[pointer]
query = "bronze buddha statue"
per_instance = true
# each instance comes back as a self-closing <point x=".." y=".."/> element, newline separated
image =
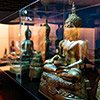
<point x="25" y="57"/>
<point x="62" y="78"/>
<point x="36" y="65"/>
<point x="27" y="44"/>
<point x="47" y="40"/>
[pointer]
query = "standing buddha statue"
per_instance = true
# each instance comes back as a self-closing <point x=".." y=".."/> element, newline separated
<point x="47" y="40"/>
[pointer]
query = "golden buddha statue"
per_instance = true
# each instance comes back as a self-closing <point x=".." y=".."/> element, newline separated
<point x="74" y="49"/>
<point x="62" y="79"/>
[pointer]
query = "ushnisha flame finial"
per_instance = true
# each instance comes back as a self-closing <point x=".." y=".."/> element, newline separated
<point x="73" y="8"/>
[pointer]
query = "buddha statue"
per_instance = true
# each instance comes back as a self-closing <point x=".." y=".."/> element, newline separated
<point x="27" y="44"/>
<point x="36" y="66"/>
<point x="73" y="47"/>
<point x="47" y="40"/>
<point x="25" y="57"/>
<point x="62" y="76"/>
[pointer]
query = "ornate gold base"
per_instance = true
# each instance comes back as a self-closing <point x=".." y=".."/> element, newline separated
<point x="55" y="97"/>
<point x="54" y="88"/>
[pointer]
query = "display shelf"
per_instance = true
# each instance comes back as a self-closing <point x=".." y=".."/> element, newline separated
<point x="24" y="82"/>
<point x="32" y="87"/>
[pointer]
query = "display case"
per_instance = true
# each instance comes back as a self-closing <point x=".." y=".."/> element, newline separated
<point x="57" y="42"/>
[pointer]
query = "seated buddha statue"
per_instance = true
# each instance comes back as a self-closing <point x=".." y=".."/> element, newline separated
<point x="27" y="44"/>
<point x="26" y="54"/>
<point x="62" y="76"/>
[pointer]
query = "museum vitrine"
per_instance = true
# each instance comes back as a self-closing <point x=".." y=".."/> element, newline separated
<point x="56" y="41"/>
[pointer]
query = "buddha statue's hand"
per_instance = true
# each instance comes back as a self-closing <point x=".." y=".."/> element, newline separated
<point x="49" y="61"/>
<point x="56" y="57"/>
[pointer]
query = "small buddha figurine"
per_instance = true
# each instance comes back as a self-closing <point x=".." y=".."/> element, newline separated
<point x="62" y="78"/>
<point x="5" y="53"/>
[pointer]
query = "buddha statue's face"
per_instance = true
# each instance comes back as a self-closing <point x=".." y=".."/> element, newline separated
<point x="69" y="30"/>
<point x="28" y="34"/>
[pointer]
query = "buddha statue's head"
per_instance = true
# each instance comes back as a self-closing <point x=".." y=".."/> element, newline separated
<point x="28" y="33"/>
<point x="72" y="25"/>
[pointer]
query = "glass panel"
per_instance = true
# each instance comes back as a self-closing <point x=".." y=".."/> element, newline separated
<point x="51" y="44"/>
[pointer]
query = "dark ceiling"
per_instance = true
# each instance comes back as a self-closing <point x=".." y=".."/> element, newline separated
<point x="7" y="7"/>
<point x="13" y="5"/>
